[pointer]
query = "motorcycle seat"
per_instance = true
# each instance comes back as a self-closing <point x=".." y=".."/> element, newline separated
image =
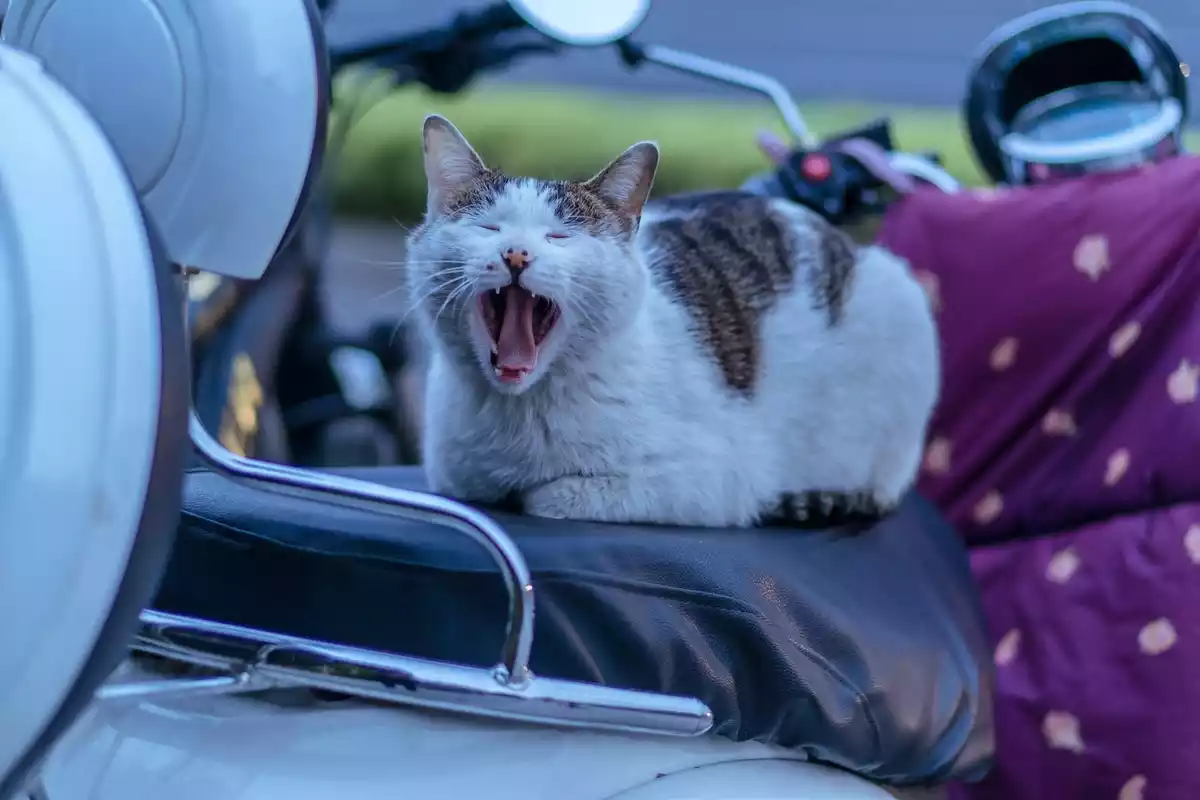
<point x="862" y="646"/>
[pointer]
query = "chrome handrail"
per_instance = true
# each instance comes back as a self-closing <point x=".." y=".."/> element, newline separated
<point x="323" y="488"/>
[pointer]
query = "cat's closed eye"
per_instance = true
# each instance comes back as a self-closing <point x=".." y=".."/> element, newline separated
<point x="558" y="235"/>
<point x="494" y="228"/>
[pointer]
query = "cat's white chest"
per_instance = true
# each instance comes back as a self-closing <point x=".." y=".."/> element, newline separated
<point x="483" y="448"/>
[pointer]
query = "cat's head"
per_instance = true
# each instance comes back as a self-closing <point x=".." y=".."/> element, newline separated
<point x="518" y="274"/>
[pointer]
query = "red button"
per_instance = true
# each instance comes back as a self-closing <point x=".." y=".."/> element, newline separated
<point x="816" y="167"/>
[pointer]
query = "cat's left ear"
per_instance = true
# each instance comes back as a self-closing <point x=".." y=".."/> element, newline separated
<point x="451" y="164"/>
<point x="626" y="182"/>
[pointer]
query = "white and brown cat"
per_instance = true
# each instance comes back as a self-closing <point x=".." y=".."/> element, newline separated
<point x="716" y="359"/>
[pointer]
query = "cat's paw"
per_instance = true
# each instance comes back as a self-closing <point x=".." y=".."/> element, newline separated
<point x="565" y="498"/>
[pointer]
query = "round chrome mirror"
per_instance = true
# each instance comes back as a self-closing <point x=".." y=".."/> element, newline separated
<point x="583" y="23"/>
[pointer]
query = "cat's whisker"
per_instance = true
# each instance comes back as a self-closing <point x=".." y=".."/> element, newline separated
<point x="388" y="293"/>
<point x="432" y="288"/>
<point x="435" y="278"/>
<point x="453" y="268"/>
<point x="395" y="330"/>
<point x="370" y="263"/>
<point x="451" y="284"/>
<point x="450" y="298"/>
<point x="455" y="287"/>
<point x="584" y="315"/>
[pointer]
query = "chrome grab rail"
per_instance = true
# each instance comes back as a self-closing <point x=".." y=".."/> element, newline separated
<point x="324" y="488"/>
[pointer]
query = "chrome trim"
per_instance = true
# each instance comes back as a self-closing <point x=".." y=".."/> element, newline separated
<point x="249" y="660"/>
<point x="1149" y="133"/>
<point x="924" y="169"/>
<point x="1021" y="24"/>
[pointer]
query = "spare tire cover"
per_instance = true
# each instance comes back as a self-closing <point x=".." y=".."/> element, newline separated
<point x="81" y="396"/>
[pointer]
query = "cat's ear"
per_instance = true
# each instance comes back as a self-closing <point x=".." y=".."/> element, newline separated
<point x="451" y="164"/>
<point x="627" y="180"/>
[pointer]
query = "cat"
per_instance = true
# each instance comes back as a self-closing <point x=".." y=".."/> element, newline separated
<point x="716" y="359"/>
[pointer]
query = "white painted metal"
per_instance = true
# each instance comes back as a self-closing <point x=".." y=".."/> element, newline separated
<point x="79" y="390"/>
<point x="241" y="748"/>
<point x="212" y="105"/>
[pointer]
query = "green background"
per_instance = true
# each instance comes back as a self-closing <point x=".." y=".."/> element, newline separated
<point x="557" y="134"/>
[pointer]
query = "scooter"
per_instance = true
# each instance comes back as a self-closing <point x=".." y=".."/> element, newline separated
<point x="322" y="633"/>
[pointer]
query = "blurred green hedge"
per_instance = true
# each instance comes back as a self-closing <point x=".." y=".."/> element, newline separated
<point x="561" y="134"/>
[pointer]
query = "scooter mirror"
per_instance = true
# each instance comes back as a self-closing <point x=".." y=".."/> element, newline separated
<point x="583" y="23"/>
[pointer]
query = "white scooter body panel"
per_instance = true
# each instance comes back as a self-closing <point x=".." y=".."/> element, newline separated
<point x="80" y="375"/>
<point x="231" y="748"/>
<point x="214" y="107"/>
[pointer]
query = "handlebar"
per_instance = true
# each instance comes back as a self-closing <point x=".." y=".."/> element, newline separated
<point x="854" y="174"/>
<point x="447" y="58"/>
<point x="841" y="178"/>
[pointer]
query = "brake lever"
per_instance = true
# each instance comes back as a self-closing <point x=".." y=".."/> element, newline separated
<point x="874" y="162"/>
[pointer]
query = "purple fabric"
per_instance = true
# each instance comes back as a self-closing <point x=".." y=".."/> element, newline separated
<point x="1066" y="448"/>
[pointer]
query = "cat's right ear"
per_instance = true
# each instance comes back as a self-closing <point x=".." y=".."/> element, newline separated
<point x="627" y="181"/>
<point x="451" y="164"/>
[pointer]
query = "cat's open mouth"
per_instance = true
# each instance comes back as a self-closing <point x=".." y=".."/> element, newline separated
<point x="517" y="321"/>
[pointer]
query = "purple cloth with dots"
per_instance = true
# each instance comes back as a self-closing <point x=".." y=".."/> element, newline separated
<point x="1066" y="448"/>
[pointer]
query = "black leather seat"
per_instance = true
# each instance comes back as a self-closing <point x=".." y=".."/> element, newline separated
<point x="865" y="648"/>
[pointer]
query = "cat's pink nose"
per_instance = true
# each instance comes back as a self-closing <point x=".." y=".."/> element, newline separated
<point x="516" y="259"/>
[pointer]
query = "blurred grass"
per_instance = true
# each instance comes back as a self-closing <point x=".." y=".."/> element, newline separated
<point x="572" y="134"/>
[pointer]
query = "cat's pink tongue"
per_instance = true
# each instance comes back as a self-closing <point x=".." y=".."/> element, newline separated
<point x="515" y="349"/>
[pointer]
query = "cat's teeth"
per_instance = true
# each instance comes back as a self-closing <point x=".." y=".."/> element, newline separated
<point x="534" y="295"/>
<point x="497" y="291"/>
<point x="495" y="349"/>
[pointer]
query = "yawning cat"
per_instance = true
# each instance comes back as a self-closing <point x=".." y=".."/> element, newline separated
<point x="717" y="360"/>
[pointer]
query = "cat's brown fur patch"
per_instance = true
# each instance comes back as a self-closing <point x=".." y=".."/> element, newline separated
<point x="832" y="274"/>
<point x="577" y="204"/>
<point x="728" y="256"/>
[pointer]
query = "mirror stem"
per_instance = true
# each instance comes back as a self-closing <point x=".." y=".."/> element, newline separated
<point x="635" y="54"/>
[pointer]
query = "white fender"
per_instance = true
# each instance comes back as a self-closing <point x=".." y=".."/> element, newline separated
<point x="757" y="780"/>
<point x="238" y="748"/>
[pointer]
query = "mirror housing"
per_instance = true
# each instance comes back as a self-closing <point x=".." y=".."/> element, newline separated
<point x="583" y="23"/>
<point x="218" y="110"/>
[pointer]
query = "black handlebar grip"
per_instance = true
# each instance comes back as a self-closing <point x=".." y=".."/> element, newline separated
<point x="493" y="19"/>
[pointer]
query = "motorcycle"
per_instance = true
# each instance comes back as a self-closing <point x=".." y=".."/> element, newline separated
<point x="313" y="633"/>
